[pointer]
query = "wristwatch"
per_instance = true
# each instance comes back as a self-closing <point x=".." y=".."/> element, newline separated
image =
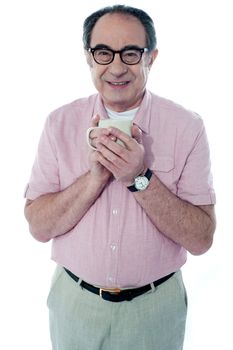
<point x="141" y="182"/>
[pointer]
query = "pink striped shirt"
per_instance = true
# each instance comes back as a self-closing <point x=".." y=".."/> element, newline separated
<point x="115" y="243"/>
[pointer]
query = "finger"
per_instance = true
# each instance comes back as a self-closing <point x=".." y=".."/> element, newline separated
<point x="94" y="132"/>
<point x="95" y="120"/>
<point x="110" y="161"/>
<point x="118" y="134"/>
<point x="109" y="143"/>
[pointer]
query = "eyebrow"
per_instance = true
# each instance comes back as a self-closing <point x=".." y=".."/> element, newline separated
<point x="127" y="47"/>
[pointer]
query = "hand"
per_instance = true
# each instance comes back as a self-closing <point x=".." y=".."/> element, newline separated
<point x="96" y="168"/>
<point x="94" y="132"/>
<point x="125" y="163"/>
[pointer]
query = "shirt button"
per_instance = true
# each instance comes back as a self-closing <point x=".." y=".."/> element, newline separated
<point x="115" y="211"/>
<point x="113" y="247"/>
<point x="110" y="279"/>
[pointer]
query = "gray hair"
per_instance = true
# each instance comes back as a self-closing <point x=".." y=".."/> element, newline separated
<point x="141" y="15"/>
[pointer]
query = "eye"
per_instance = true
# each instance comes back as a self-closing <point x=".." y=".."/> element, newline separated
<point x="131" y="55"/>
<point x="103" y="54"/>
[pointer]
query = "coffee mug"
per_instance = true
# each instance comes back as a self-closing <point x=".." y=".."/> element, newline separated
<point x="122" y="124"/>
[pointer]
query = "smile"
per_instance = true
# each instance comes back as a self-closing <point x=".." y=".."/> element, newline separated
<point x="123" y="83"/>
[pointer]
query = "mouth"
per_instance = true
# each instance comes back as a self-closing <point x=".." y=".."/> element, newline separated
<point x="118" y="83"/>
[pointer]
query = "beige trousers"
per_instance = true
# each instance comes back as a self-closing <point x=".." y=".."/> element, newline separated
<point x="81" y="320"/>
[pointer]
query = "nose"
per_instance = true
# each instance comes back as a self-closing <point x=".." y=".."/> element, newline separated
<point x="117" y="67"/>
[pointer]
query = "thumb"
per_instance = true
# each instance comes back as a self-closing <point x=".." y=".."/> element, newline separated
<point x="137" y="133"/>
<point x="95" y="120"/>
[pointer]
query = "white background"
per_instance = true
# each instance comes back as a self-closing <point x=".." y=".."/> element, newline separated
<point x="42" y="67"/>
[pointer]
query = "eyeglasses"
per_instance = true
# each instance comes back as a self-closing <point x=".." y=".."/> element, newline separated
<point x="128" y="56"/>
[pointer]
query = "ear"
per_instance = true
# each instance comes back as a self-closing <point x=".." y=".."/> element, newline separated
<point x="88" y="58"/>
<point x="152" y="57"/>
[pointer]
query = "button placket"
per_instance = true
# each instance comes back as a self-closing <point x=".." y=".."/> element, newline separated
<point x="115" y="212"/>
<point x="113" y="248"/>
<point x="114" y="237"/>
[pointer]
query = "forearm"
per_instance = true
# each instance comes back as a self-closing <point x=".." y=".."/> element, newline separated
<point x="188" y="225"/>
<point x="55" y="214"/>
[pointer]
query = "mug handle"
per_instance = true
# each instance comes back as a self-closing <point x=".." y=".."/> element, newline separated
<point x="89" y="130"/>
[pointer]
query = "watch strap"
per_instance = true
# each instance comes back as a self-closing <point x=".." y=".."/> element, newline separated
<point x="147" y="174"/>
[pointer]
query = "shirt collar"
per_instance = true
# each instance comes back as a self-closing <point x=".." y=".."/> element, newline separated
<point x="143" y="115"/>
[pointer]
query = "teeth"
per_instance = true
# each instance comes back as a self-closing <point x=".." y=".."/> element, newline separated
<point x="124" y="83"/>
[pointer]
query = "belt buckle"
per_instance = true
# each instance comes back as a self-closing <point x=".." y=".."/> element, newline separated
<point x="111" y="291"/>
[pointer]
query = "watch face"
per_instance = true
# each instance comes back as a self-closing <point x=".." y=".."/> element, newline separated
<point x="141" y="183"/>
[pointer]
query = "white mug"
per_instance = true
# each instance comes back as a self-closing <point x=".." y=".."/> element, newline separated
<point x="122" y="124"/>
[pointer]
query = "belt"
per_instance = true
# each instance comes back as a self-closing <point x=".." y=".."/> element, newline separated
<point x="117" y="295"/>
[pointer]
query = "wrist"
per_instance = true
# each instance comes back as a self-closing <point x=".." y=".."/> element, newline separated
<point x="132" y="179"/>
<point x="141" y="182"/>
<point x="98" y="181"/>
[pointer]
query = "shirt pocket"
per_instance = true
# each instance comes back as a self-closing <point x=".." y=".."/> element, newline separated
<point x="163" y="167"/>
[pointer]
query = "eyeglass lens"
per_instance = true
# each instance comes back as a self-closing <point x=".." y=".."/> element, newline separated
<point x="129" y="56"/>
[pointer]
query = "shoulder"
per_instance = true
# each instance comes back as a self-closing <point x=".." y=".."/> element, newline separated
<point x="174" y="109"/>
<point x="74" y="109"/>
<point x="175" y="114"/>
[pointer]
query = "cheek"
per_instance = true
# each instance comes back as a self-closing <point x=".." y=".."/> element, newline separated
<point x="100" y="71"/>
<point x="96" y="75"/>
<point x="142" y="74"/>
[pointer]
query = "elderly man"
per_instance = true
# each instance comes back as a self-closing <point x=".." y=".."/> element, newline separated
<point x="121" y="216"/>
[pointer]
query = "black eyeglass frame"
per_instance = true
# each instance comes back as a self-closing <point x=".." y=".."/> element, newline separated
<point x="120" y="52"/>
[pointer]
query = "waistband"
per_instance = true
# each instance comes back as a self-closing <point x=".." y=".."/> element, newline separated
<point x="118" y="295"/>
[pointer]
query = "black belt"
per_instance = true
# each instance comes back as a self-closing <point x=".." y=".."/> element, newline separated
<point x="118" y="295"/>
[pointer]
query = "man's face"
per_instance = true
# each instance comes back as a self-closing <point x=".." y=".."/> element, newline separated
<point x="121" y="86"/>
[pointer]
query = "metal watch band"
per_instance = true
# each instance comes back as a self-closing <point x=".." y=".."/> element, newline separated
<point x="147" y="174"/>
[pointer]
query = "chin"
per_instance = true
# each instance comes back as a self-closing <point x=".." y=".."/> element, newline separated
<point x="115" y="100"/>
<point x="118" y="106"/>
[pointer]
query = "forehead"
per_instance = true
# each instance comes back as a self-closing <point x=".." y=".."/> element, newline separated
<point x="118" y="30"/>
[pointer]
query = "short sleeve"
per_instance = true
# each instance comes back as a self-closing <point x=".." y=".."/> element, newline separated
<point x="45" y="175"/>
<point x="196" y="181"/>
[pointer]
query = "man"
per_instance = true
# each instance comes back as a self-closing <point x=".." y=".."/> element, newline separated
<point x="119" y="246"/>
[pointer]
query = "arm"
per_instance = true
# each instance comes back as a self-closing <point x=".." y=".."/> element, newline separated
<point x="55" y="214"/>
<point x="186" y="224"/>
